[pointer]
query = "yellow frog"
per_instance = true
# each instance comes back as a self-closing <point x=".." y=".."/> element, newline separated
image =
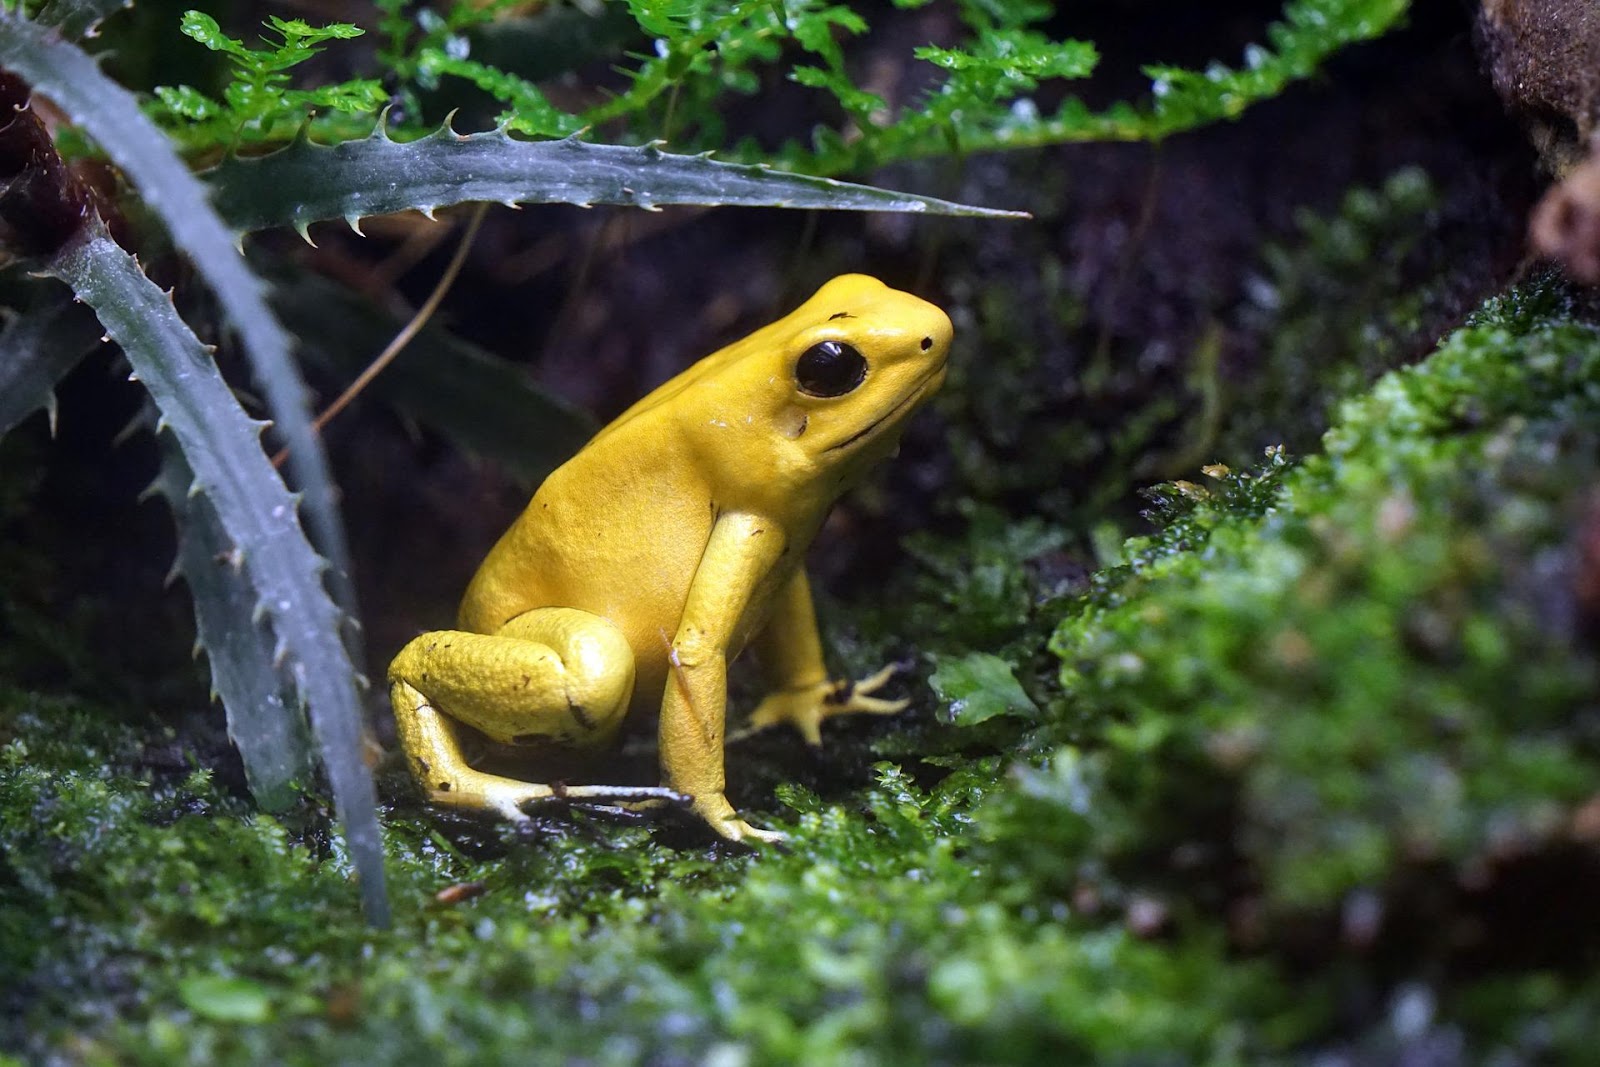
<point x="675" y="538"/>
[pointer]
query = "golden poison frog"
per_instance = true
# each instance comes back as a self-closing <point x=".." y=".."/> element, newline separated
<point x="673" y="540"/>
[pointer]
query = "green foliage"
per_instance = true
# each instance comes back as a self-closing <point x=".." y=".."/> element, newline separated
<point x="278" y="578"/>
<point x="1317" y="689"/>
<point x="701" y="53"/>
<point x="259" y="103"/>
<point x="225" y="1000"/>
<point x="1311" y="31"/>
<point x="527" y="109"/>
<point x="980" y="591"/>
<point x="985" y="101"/>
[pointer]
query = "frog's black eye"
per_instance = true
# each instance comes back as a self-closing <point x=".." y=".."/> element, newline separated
<point x="830" y="368"/>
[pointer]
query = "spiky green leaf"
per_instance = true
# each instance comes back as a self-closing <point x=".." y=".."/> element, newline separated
<point x="37" y="349"/>
<point x="257" y="513"/>
<point x="80" y="18"/>
<point x="265" y="720"/>
<point x="308" y="183"/>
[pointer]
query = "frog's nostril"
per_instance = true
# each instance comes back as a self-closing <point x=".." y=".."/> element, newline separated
<point x="927" y="343"/>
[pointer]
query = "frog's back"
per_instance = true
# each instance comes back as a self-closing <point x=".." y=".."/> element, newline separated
<point x="617" y="531"/>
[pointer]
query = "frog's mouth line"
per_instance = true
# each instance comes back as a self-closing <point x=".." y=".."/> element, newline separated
<point x="911" y="394"/>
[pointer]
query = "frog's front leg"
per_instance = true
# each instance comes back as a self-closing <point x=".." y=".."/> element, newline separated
<point x="742" y="550"/>
<point x="801" y="694"/>
<point x="552" y="674"/>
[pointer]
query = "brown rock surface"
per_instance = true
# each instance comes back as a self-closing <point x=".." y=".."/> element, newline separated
<point x="1544" y="58"/>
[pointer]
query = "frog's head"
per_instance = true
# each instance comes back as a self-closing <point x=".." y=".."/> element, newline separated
<point x="792" y="414"/>
<point x="851" y="365"/>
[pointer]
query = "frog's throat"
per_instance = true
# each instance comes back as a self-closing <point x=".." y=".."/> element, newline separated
<point x="915" y="393"/>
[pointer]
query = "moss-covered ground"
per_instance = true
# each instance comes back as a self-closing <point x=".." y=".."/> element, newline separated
<point x="1310" y="773"/>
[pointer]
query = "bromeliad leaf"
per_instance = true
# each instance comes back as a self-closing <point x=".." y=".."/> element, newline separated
<point x="308" y="183"/>
<point x="258" y="515"/>
<point x="37" y="349"/>
<point x="79" y="18"/>
<point x="264" y="717"/>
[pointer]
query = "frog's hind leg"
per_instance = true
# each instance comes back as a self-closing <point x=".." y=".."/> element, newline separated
<point x="553" y="674"/>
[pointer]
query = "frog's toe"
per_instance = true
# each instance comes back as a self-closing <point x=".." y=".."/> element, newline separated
<point x="739" y="830"/>
<point x="511" y="812"/>
<point x="810" y="729"/>
<point x="875" y="706"/>
<point x="503" y="797"/>
<point x="849" y="697"/>
<point x="720" y="816"/>
<point x="874" y="682"/>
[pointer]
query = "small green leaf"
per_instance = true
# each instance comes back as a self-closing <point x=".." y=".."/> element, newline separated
<point x="302" y="34"/>
<point x="530" y="111"/>
<point x="226" y="1000"/>
<point x="188" y="102"/>
<point x="1019" y="54"/>
<point x="204" y="28"/>
<point x="662" y="18"/>
<point x="858" y="101"/>
<point x="359" y="97"/>
<point x="978" y="687"/>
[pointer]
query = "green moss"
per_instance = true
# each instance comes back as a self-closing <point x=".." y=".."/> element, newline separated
<point x="1361" y="683"/>
<point x="174" y="926"/>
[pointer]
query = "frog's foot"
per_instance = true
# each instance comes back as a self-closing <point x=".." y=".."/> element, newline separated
<point x="721" y="817"/>
<point x="507" y="797"/>
<point x="438" y="765"/>
<point x="805" y="708"/>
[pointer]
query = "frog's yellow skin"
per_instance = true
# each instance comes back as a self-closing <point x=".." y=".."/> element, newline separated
<point x="675" y="538"/>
